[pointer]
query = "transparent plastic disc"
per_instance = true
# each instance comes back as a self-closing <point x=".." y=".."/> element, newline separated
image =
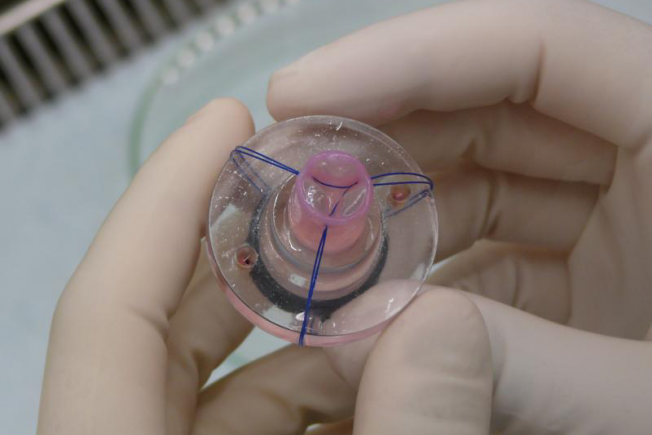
<point x="381" y="239"/>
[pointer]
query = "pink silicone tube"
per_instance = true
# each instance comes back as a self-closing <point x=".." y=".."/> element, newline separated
<point x="333" y="189"/>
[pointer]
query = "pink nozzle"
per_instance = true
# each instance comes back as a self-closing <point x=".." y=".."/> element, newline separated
<point x="333" y="189"/>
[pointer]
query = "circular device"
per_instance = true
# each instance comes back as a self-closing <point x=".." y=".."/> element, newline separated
<point x="321" y="229"/>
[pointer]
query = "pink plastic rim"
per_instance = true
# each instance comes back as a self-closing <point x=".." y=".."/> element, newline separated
<point x="360" y="176"/>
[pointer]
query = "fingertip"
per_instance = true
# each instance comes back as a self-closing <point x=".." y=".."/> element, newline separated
<point x="235" y="109"/>
<point x="206" y="137"/>
<point x="203" y="144"/>
<point x="280" y="94"/>
<point x="168" y="199"/>
<point x="446" y="303"/>
<point x="445" y="318"/>
<point x="438" y="355"/>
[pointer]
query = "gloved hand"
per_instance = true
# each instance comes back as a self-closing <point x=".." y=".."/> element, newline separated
<point x="137" y="333"/>
<point x="535" y="118"/>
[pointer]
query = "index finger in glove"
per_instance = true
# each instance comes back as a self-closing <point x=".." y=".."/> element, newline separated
<point x="478" y="53"/>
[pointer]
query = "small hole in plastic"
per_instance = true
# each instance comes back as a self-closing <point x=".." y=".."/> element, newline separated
<point x="399" y="194"/>
<point x="246" y="257"/>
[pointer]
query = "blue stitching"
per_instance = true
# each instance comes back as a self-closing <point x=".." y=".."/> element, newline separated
<point x="313" y="282"/>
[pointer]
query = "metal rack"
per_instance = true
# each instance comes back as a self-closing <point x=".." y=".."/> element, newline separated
<point x="50" y="46"/>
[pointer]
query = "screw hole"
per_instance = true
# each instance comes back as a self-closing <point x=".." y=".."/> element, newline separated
<point x="246" y="257"/>
<point x="399" y="194"/>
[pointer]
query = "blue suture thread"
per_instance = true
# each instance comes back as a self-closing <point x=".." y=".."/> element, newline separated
<point x="242" y="156"/>
<point x="263" y="158"/>
<point x="315" y="270"/>
<point x="389" y="174"/>
<point x="244" y="172"/>
<point x="334" y="186"/>
<point x="411" y="202"/>
<point x="415" y="198"/>
<point x="240" y="150"/>
<point x="338" y="201"/>
<point x="313" y="281"/>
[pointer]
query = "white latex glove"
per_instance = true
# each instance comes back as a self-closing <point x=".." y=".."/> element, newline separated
<point x="535" y="118"/>
<point x="136" y="333"/>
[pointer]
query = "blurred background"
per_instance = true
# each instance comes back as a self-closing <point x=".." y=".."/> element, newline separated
<point x="88" y="88"/>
